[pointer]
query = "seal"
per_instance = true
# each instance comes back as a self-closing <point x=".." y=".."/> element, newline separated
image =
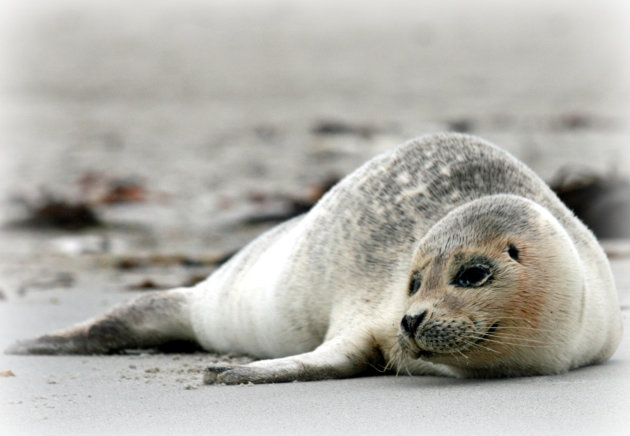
<point x="445" y="256"/>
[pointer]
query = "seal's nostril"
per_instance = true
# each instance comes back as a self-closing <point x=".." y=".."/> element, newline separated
<point x="405" y="324"/>
<point x="410" y="324"/>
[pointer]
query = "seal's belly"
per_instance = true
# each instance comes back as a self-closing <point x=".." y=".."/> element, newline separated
<point x="245" y="308"/>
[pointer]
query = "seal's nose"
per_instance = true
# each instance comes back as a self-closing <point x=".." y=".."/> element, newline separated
<point x="410" y="324"/>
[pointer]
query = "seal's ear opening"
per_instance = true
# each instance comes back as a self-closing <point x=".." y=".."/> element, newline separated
<point x="513" y="252"/>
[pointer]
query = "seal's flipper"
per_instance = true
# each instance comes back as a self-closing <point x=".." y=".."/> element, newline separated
<point x="147" y="321"/>
<point x="333" y="359"/>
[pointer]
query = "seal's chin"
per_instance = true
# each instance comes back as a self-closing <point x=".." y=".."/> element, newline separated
<point x="411" y="348"/>
<point x="420" y="354"/>
<point x="431" y="356"/>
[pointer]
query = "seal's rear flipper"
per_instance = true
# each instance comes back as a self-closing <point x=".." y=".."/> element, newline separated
<point x="333" y="359"/>
<point x="148" y="321"/>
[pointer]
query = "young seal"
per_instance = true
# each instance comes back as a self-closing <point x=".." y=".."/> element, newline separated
<point x="445" y="256"/>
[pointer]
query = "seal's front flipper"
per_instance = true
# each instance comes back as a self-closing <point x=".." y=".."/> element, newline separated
<point x="148" y="321"/>
<point x="332" y="359"/>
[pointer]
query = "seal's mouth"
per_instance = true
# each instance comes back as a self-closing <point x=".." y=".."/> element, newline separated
<point x="489" y="333"/>
<point x="426" y="354"/>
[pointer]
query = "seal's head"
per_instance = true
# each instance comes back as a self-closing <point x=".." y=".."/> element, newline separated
<point x="495" y="290"/>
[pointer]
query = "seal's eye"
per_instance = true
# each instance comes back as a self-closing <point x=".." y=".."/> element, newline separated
<point x="513" y="252"/>
<point x="472" y="276"/>
<point x="415" y="282"/>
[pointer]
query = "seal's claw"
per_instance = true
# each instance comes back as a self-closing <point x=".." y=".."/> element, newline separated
<point x="211" y="373"/>
<point x="245" y="374"/>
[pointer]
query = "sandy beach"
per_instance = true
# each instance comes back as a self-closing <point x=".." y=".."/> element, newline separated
<point x="181" y="124"/>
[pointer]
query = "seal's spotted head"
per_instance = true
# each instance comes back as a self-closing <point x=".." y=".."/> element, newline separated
<point x="489" y="288"/>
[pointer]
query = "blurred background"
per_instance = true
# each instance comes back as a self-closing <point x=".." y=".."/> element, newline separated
<point x="171" y="132"/>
